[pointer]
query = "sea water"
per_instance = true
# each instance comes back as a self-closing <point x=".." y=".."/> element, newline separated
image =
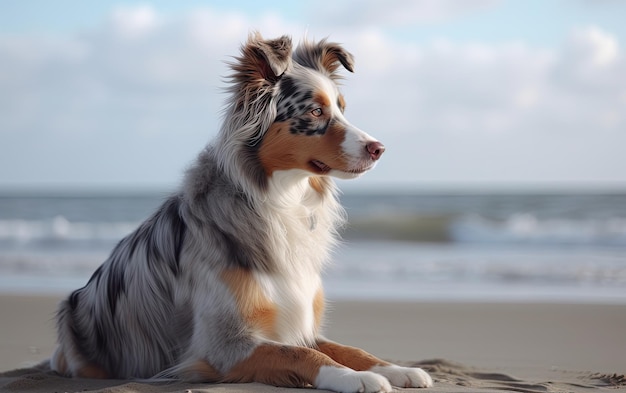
<point x="397" y="246"/>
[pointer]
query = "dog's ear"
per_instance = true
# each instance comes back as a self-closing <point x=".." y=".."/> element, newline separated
<point x="264" y="59"/>
<point x="324" y="56"/>
<point x="333" y="55"/>
<point x="277" y="54"/>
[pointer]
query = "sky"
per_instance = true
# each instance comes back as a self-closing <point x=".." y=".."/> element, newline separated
<point x="468" y="94"/>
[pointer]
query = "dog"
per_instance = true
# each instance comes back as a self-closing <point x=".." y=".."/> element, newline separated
<point x="222" y="283"/>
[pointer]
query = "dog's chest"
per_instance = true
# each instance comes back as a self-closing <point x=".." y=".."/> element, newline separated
<point x="300" y="232"/>
<point x="293" y="305"/>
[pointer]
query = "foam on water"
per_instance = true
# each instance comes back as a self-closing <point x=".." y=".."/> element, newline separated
<point x="542" y="248"/>
<point x="60" y="228"/>
<point x="527" y="228"/>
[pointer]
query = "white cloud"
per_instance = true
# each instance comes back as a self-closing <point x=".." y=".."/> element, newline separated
<point x="451" y="88"/>
<point x="591" y="63"/>
<point x="594" y="47"/>
<point x="213" y="29"/>
<point x="134" y="99"/>
<point x="499" y="113"/>
<point x="397" y="12"/>
<point x="134" y="22"/>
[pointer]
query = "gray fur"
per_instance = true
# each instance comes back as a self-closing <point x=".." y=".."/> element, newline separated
<point x="157" y="303"/>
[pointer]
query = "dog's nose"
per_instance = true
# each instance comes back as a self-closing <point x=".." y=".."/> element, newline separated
<point x="375" y="149"/>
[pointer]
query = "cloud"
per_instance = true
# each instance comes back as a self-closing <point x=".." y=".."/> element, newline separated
<point x="592" y="58"/>
<point x="601" y="46"/>
<point x="134" y="22"/>
<point x="132" y="100"/>
<point x="398" y="12"/>
<point x="451" y="88"/>
<point x="509" y="112"/>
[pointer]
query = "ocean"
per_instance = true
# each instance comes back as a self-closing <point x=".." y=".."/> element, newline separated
<point x="491" y="247"/>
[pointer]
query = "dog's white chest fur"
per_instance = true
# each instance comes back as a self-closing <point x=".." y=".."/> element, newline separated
<point x="293" y="298"/>
<point x="302" y="236"/>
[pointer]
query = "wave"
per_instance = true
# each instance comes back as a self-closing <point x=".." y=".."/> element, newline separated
<point x="519" y="229"/>
<point x="524" y="228"/>
<point x="59" y="231"/>
<point x="418" y="228"/>
<point x="516" y="229"/>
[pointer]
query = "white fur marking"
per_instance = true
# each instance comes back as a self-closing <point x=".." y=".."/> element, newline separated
<point x="295" y="324"/>
<point x="404" y="377"/>
<point x="343" y="379"/>
<point x="354" y="143"/>
<point x="299" y="249"/>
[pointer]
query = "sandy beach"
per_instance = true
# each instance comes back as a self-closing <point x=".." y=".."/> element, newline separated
<point x="467" y="347"/>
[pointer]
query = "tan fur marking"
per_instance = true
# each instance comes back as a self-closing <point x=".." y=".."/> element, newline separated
<point x="201" y="371"/>
<point x="253" y="71"/>
<point x="322" y="99"/>
<point x="341" y="102"/>
<point x="280" y="365"/>
<point x="88" y="370"/>
<point x="253" y="305"/>
<point x="92" y="371"/>
<point x="355" y="358"/>
<point x="317" y="184"/>
<point x="329" y="60"/>
<point x="61" y="362"/>
<point x="282" y="150"/>
<point x="318" y="309"/>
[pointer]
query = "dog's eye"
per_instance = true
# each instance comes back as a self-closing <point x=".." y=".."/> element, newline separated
<point x="317" y="112"/>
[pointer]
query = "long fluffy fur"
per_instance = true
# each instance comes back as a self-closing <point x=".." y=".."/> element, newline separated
<point x="223" y="283"/>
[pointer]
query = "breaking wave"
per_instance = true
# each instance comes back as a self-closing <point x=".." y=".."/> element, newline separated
<point x="517" y="229"/>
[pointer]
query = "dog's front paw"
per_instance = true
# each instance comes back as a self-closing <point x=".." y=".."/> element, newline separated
<point x="343" y="379"/>
<point x="404" y="377"/>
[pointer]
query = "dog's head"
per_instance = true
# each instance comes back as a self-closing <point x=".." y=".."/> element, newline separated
<point x="306" y="130"/>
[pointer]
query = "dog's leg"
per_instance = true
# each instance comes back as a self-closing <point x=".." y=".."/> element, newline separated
<point x="75" y="366"/>
<point x="67" y="359"/>
<point x="359" y="360"/>
<point x="291" y="366"/>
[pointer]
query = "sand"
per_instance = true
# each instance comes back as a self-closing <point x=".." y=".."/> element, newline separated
<point x="466" y="347"/>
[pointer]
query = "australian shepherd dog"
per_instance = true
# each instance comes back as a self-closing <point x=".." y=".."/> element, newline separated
<point x="222" y="283"/>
